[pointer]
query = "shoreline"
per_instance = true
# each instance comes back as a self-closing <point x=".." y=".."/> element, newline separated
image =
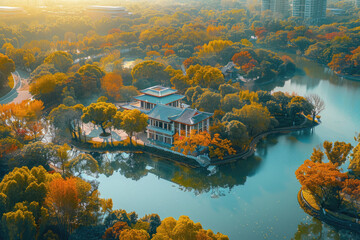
<point x="327" y="217"/>
<point x="187" y="161"/>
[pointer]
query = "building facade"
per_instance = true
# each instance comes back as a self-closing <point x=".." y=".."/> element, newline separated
<point x="276" y="6"/>
<point x="167" y="115"/>
<point x="312" y="11"/>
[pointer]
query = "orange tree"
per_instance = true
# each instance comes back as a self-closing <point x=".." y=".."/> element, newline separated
<point x="324" y="181"/>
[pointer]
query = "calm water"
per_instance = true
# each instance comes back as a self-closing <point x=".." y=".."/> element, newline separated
<point x="251" y="199"/>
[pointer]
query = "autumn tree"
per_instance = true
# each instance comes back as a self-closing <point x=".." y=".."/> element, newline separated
<point x="191" y="143"/>
<point x="111" y="83"/>
<point x="337" y="152"/>
<point x="61" y="60"/>
<point x="134" y="234"/>
<point x="72" y="202"/>
<point x="131" y="121"/>
<point x="184" y="228"/>
<point x="99" y="113"/>
<point x="324" y="181"/>
<point x="114" y="231"/>
<point x="354" y="165"/>
<point x="299" y="105"/>
<point x="7" y="66"/>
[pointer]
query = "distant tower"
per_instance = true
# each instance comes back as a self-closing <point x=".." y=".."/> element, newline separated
<point x="312" y="11"/>
<point x="276" y="6"/>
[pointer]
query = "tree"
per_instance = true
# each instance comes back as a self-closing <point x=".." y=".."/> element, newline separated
<point x="230" y="101"/>
<point x="299" y="105"/>
<point x="149" y="73"/>
<point x="184" y="228"/>
<point x="337" y="152"/>
<point x="237" y="133"/>
<point x="207" y="76"/>
<point x="72" y="202"/>
<point x="302" y="43"/>
<point x="317" y="103"/>
<point x="256" y="118"/>
<point x="37" y="153"/>
<point x="208" y="101"/>
<point x="99" y="113"/>
<point x="63" y="202"/>
<point x="242" y="58"/>
<point x="130" y="121"/>
<point x="127" y="93"/>
<point x="63" y="157"/>
<point x="134" y="234"/>
<point x="7" y="66"/>
<point x="61" y="60"/>
<point x="324" y="181"/>
<point x="354" y="165"/>
<point x="220" y="147"/>
<point x="67" y="119"/>
<point x="111" y="83"/>
<point x="19" y="225"/>
<point x="115" y="231"/>
<point x="191" y="143"/>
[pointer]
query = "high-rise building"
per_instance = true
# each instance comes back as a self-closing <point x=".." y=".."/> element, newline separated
<point x="312" y="11"/>
<point x="276" y="6"/>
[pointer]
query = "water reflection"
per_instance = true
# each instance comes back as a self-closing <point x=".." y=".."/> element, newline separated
<point x="216" y="180"/>
<point x="313" y="228"/>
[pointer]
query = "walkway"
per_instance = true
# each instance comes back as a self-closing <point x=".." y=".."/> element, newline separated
<point x="20" y="90"/>
<point x="326" y="216"/>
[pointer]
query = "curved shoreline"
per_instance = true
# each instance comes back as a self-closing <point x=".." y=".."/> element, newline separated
<point x="252" y="146"/>
<point x="327" y="218"/>
<point x="17" y="85"/>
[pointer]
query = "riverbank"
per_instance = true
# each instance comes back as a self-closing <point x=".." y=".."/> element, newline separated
<point x="189" y="161"/>
<point x="331" y="218"/>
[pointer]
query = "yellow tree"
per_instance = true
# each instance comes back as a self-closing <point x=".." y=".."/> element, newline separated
<point x="219" y="147"/>
<point x="99" y="113"/>
<point x="131" y="121"/>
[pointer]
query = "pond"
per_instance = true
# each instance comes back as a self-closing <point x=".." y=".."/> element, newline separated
<point x="251" y="199"/>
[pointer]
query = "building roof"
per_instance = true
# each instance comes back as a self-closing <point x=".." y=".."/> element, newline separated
<point x="164" y="112"/>
<point x="186" y="116"/>
<point x="158" y="91"/>
<point x="191" y="116"/>
<point x="159" y="100"/>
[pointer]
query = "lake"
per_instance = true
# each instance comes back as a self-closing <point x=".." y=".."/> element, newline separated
<point x="251" y="199"/>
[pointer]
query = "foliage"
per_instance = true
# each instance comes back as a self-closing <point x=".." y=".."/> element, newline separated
<point x="131" y="121"/>
<point x="99" y="113"/>
<point x="61" y="60"/>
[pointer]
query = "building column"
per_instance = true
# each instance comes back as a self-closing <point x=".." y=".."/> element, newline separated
<point x="186" y="129"/>
<point x="208" y="125"/>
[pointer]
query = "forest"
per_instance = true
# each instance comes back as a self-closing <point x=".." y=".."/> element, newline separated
<point x="77" y="75"/>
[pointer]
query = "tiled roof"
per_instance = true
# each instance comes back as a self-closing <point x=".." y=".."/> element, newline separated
<point x="158" y="91"/>
<point x="191" y="116"/>
<point x="159" y="100"/>
<point x="163" y="112"/>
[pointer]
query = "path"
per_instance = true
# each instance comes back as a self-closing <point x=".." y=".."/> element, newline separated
<point x="326" y="216"/>
<point x="20" y="90"/>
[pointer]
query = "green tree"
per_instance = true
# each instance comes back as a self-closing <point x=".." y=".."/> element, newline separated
<point x="36" y="153"/>
<point x="237" y="133"/>
<point x="99" y="113"/>
<point x="7" y="66"/>
<point x="208" y="101"/>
